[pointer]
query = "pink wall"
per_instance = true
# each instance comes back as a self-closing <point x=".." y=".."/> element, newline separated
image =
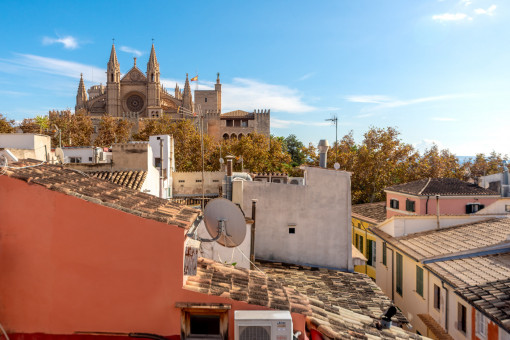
<point x="447" y="206"/>
<point x="69" y="266"/>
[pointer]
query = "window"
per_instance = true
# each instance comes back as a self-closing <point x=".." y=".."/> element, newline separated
<point x="437" y="297"/>
<point x="461" y="317"/>
<point x="481" y="325"/>
<point x="244" y="123"/>
<point x="360" y="244"/>
<point x="394" y="203"/>
<point x="371" y="253"/>
<point x="400" y="273"/>
<point x="419" y="280"/>
<point x="90" y="159"/>
<point x="198" y="181"/>
<point x="157" y="162"/>
<point x="384" y="260"/>
<point x="292" y="230"/>
<point x="473" y="207"/>
<point x="237" y="123"/>
<point x="152" y="77"/>
<point x="205" y="99"/>
<point x="230" y="122"/>
<point x="181" y="181"/>
<point x="410" y="205"/>
<point x="74" y="159"/>
<point x="215" y="180"/>
<point x="204" y="324"/>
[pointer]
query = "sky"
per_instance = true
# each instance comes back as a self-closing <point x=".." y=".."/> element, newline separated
<point x="437" y="70"/>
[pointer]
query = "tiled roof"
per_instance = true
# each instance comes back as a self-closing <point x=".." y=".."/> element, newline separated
<point x="269" y="290"/>
<point x="128" y="179"/>
<point x="441" y="186"/>
<point x="375" y="212"/>
<point x="435" y="327"/>
<point x="79" y="184"/>
<point x="492" y="298"/>
<point x="237" y="114"/>
<point x="476" y="270"/>
<point x="452" y="239"/>
<point x="333" y="288"/>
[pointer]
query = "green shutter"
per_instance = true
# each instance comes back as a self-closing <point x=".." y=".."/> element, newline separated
<point x="384" y="253"/>
<point x="369" y="253"/>
<point x="419" y="280"/>
<point x="399" y="274"/>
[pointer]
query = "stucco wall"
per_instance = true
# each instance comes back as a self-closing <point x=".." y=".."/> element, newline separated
<point x="27" y="145"/>
<point x="185" y="183"/>
<point x="448" y="205"/>
<point x="69" y="266"/>
<point x="320" y="212"/>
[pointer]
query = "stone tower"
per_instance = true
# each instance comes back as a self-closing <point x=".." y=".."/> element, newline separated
<point x="81" y="96"/>
<point x="113" y="84"/>
<point x="217" y="88"/>
<point x="186" y="97"/>
<point x="153" y="84"/>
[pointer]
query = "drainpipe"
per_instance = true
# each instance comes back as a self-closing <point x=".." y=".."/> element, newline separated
<point x="437" y="211"/>
<point x="427" y="206"/>
<point x="252" y="243"/>
<point x="446" y="308"/>
<point x="161" y="167"/>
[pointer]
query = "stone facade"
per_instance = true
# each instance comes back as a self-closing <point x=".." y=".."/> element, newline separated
<point x="137" y="96"/>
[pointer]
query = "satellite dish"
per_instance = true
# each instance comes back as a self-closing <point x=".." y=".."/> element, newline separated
<point x="222" y="161"/>
<point x="225" y="222"/>
<point x="337" y="166"/>
<point x="59" y="153"/>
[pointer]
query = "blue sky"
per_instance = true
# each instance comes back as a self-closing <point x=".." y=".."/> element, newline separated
<point x="439" y="71"/>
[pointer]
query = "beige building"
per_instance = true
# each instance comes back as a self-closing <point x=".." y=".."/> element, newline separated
<point x="139" y="95"/>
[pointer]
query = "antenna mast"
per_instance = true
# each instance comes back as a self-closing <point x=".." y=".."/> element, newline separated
<point x="335" y="121"/>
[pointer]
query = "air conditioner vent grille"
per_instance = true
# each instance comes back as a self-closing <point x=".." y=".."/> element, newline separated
<point x="255" y="333"/>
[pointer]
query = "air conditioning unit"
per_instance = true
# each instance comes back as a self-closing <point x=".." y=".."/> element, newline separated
<point x="262" y="325"/>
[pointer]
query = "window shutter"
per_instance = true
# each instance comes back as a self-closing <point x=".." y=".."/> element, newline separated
<point x="384" y="253"/>
<point x="468" y="209"/>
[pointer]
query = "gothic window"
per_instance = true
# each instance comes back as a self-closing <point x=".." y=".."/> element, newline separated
<point x="205" y="100"/>
<point x="152" y="77"/>
<point x="233" y="136"/>
<point x="112" y="77"/>
<point x="225" y="136"/>
<point x="240" y="136"/>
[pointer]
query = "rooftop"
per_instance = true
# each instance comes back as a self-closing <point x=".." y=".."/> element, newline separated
<point x="79" y="184"/>
<point x="306" y="291"/>
<point x="451" y="240"/>
<point x="129" y="179"/>
<point x="372" y="212"/>
<point x="441" y="186"/>
<point x="492" y="298"/>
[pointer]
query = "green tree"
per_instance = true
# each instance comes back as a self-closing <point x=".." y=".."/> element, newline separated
<point x="295" y="149"/>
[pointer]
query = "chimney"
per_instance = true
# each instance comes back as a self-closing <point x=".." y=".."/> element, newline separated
<point x="323" y="151"/>
<point x="504" y="183"/>
<point x="229" y="165"/>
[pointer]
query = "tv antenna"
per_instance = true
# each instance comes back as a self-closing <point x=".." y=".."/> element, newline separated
<point x="224" y="222"/>
<point x="334" y="120"/>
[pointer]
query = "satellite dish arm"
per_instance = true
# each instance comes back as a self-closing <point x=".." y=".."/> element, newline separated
<point x="222" y="229"/>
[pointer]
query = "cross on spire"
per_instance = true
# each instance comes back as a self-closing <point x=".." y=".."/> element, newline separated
<point x="113" y="40"/>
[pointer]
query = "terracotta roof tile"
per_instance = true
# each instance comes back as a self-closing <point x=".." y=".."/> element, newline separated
<point x="79" y="184"/>
<point x="129" y="179"/>
<point x="375" y="212"/>
<point x="441" y="186"/>
<point x="322" y="295"/>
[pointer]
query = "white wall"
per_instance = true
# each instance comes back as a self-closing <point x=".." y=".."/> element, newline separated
<point x="320" y="212"/>
<point x="219" y="253"/>
<point x="27" y="145"/>
<point x="168" y="158"/>
<point x="86" y="154"/>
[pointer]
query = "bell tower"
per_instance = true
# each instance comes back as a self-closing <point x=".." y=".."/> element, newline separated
<point x="153" y="84"/>
<point x="113" y="85"/>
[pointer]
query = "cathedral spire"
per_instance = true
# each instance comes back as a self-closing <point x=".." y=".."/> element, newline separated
<point x="113" y="67"/>
<point x="81" y="96"/>
<point x="113" y="58"/>
<point x="153" y="67"/>
<point x="186" y="97"/>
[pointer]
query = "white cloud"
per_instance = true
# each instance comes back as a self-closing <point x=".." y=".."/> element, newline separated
<point x="466" y="2"/>
<point x="368" y="99"/>
<point x="488" y="11"/>
<point x="57" y="66"/>
<point x="249" y="94"/>
<point x="451" y="17"/>
<point x="306" y="76"/>
<point x="285" y="124"/>
<point x="444" y="119"/>
<point x="130" y="50"/>
<point x="425" y="144"/>
<point x="384" y="102"/>
<point x="69" y="42"/>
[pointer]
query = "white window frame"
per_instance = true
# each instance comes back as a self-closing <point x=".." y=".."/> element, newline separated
<point x="481" y="325"/>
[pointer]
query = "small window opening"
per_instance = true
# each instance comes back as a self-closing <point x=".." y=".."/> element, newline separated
<point x="292" y="230"/>
<point x="204" y="324"/>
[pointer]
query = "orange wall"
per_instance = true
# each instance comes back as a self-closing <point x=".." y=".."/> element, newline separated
<point x="69" y="265"/>
<point x="492" y="328"/>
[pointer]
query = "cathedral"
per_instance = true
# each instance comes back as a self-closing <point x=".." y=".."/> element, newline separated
<point x="138" y="96"/>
